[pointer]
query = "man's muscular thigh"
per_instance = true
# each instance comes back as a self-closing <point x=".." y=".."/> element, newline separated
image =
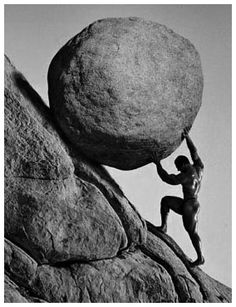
<point x="190" y="214"/>
<point x="174" y="203"/>
<point x="190" y="207"/>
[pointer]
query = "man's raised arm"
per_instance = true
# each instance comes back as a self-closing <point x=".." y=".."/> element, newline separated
<point x="168" y="178"/>
<point x="193" y="150"/>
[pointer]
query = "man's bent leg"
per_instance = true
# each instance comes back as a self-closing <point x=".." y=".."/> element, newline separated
<point x="190" y="213"/>
<point x="167" y="203"/>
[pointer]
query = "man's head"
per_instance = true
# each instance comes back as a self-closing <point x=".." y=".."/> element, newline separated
<point x="181" y="162"/>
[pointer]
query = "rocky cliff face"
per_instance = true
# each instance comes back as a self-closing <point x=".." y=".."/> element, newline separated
<point x="70" y="233"/>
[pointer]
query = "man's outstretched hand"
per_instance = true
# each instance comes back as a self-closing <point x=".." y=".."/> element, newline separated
<point x="155" y="158"/>
<point x="185" y="133"/>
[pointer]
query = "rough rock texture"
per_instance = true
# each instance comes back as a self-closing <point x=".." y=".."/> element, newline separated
<point x="70" y="233"/>
<point x="124" y="87"/>
<point x="51" y="211"/>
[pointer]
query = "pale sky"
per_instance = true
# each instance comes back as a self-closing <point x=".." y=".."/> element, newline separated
<point x="33" y="35"/>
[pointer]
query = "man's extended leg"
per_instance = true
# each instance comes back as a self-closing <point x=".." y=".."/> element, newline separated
<point x="190" y="213"/>
<point x="167" y="203"/>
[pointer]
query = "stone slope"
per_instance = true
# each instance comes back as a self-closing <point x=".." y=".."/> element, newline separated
<point x="70" y="233"/>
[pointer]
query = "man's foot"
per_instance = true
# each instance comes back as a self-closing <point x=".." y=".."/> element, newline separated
<point x="197" y="262"/>
<point x="162" y="229"/>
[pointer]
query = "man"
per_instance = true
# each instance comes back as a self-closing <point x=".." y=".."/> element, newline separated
<point x="190" y="177"/>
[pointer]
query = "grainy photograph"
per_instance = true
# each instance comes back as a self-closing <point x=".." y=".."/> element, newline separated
<point x="117" y="153"/>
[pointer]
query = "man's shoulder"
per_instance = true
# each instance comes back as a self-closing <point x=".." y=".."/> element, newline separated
<point x="198" y="164"/>
<point x="198" y="169"/>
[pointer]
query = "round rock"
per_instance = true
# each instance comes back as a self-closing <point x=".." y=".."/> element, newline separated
<point x="123" y="88"/>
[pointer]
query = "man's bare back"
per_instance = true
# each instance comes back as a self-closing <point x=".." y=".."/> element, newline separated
<point x="190" y="180"/>
<point x="190" y="177"/>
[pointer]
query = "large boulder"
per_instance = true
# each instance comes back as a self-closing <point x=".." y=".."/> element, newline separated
<point x="124" y="87"/>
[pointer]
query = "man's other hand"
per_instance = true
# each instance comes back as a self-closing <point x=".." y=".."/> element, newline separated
<point x="185" y="133"/>
<point x="155" y="158"/>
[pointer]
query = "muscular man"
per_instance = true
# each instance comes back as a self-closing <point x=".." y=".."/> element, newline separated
<point x="190" y="177"/>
